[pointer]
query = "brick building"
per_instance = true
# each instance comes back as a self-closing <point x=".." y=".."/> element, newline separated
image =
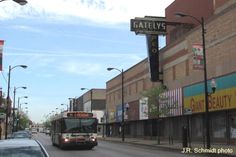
<point x="92" y="101"/>
<point x="184" y="83"/>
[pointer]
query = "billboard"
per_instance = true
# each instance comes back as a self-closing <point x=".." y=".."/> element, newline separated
<point x="111" y="116"/>
<point x="171" y="103"/>
<point x="143" y="108"/>
<point x="197" y="57"/>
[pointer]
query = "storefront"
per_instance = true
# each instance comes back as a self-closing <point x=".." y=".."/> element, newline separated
<point x="222" y="108"/>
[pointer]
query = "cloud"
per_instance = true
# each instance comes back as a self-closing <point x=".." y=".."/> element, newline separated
<point x="26" y="28"/>
<point x="75" y="63"/>
<point x="44" y="53"/>
<point x="45" y="75"/>
<point x="98" y="11"/>
<point x="80" y="68"/>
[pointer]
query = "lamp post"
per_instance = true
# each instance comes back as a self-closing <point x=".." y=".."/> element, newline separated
<point x="91" y="95"/>
<point x="66" y="106"/>
<point x="19" y="124"/>
<point x="8" y="95"/>
<point x="19" y="108"/>
<point x="201" y="22"/>
<point x="23" y="104"/>
<point x="122" y="101"/>
<point x="56" y="109"/>
<point x="19" y="116"/>
<point x="21" y="2"/>
<point x="14" y="102"/>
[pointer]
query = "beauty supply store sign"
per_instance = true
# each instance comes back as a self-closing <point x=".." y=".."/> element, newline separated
<point x="224" y="98"/>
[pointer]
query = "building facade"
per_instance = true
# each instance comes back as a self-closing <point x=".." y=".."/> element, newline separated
<point x="93" y="101"/>
<point x="183" y="77"/>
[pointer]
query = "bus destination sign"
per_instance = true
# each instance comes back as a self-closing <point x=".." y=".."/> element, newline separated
<point x="148" y="25"/>
<point x="79" y="115"/>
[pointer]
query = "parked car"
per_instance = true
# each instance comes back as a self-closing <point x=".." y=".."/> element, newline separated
<point x="21" y="134"/>
<point x="47" y="132"/>
<point x="22" y="147"/>
<point x="34" y="130"/>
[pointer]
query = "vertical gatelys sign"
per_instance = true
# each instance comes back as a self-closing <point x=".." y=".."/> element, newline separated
<point x="151" y="27"/>
<point x="153" y="57"/>
<point x="1" y="50"/>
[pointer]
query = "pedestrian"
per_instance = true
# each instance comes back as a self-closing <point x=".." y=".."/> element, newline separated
<point x="110" y="131"/>
<point x="119" y="130"/>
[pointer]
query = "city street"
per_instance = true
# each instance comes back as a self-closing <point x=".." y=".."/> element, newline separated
<point x="107" y="149"/>
<point x="122" y="78"/>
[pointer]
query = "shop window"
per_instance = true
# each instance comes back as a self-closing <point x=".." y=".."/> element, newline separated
<point x="219" y="126"/>
<point x="233" y="127"/>
<point x="197" y="127"/>
<point x="99" y="129"/>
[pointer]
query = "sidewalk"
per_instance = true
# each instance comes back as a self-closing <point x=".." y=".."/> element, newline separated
<point x="198" y="148"/>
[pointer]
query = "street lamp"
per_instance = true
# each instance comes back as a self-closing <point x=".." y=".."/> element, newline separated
<point x="19" y="108"/>
<point x="122" y="101"/>
<point x="56" y="109"/>
<point x="23" y="104"/>
<point x="8" y="94"/>
<point x="201" y="22"/>
<point x="66" y="106"/>
<point x="14" y="102"/>
<point x="21" y="2"/>
<point x="91" y="95"/>
<point x="18" y="104"/>
<point x="19" y="115"/>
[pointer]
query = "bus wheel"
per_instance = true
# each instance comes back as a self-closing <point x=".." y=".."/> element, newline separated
<point x="53" y="144"/>
<point x="90" y="148"/>
<point x="61" y="146"/>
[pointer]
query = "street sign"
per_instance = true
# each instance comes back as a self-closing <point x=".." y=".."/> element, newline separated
<point x="148" y="25"/>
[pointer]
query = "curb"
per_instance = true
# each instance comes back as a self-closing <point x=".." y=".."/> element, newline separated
<point x="145" y="145"/>
<point x="161" y="147"/>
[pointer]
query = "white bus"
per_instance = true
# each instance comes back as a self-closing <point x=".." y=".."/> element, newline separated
<point x="75" y="128"/>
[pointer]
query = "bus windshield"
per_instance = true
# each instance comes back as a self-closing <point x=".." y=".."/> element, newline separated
<point x="85" y="125"/>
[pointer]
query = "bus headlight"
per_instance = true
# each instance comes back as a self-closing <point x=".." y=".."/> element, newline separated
<point x="66" y="140"/>
<point x="92" y="139"/>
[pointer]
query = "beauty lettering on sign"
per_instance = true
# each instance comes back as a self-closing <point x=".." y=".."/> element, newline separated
<point x="221" y="100"/>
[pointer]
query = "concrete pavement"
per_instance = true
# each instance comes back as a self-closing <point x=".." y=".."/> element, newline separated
<point x="198" y="148"/>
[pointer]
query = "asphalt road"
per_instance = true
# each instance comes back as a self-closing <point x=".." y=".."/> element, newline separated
<point x="107" y="149"/>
